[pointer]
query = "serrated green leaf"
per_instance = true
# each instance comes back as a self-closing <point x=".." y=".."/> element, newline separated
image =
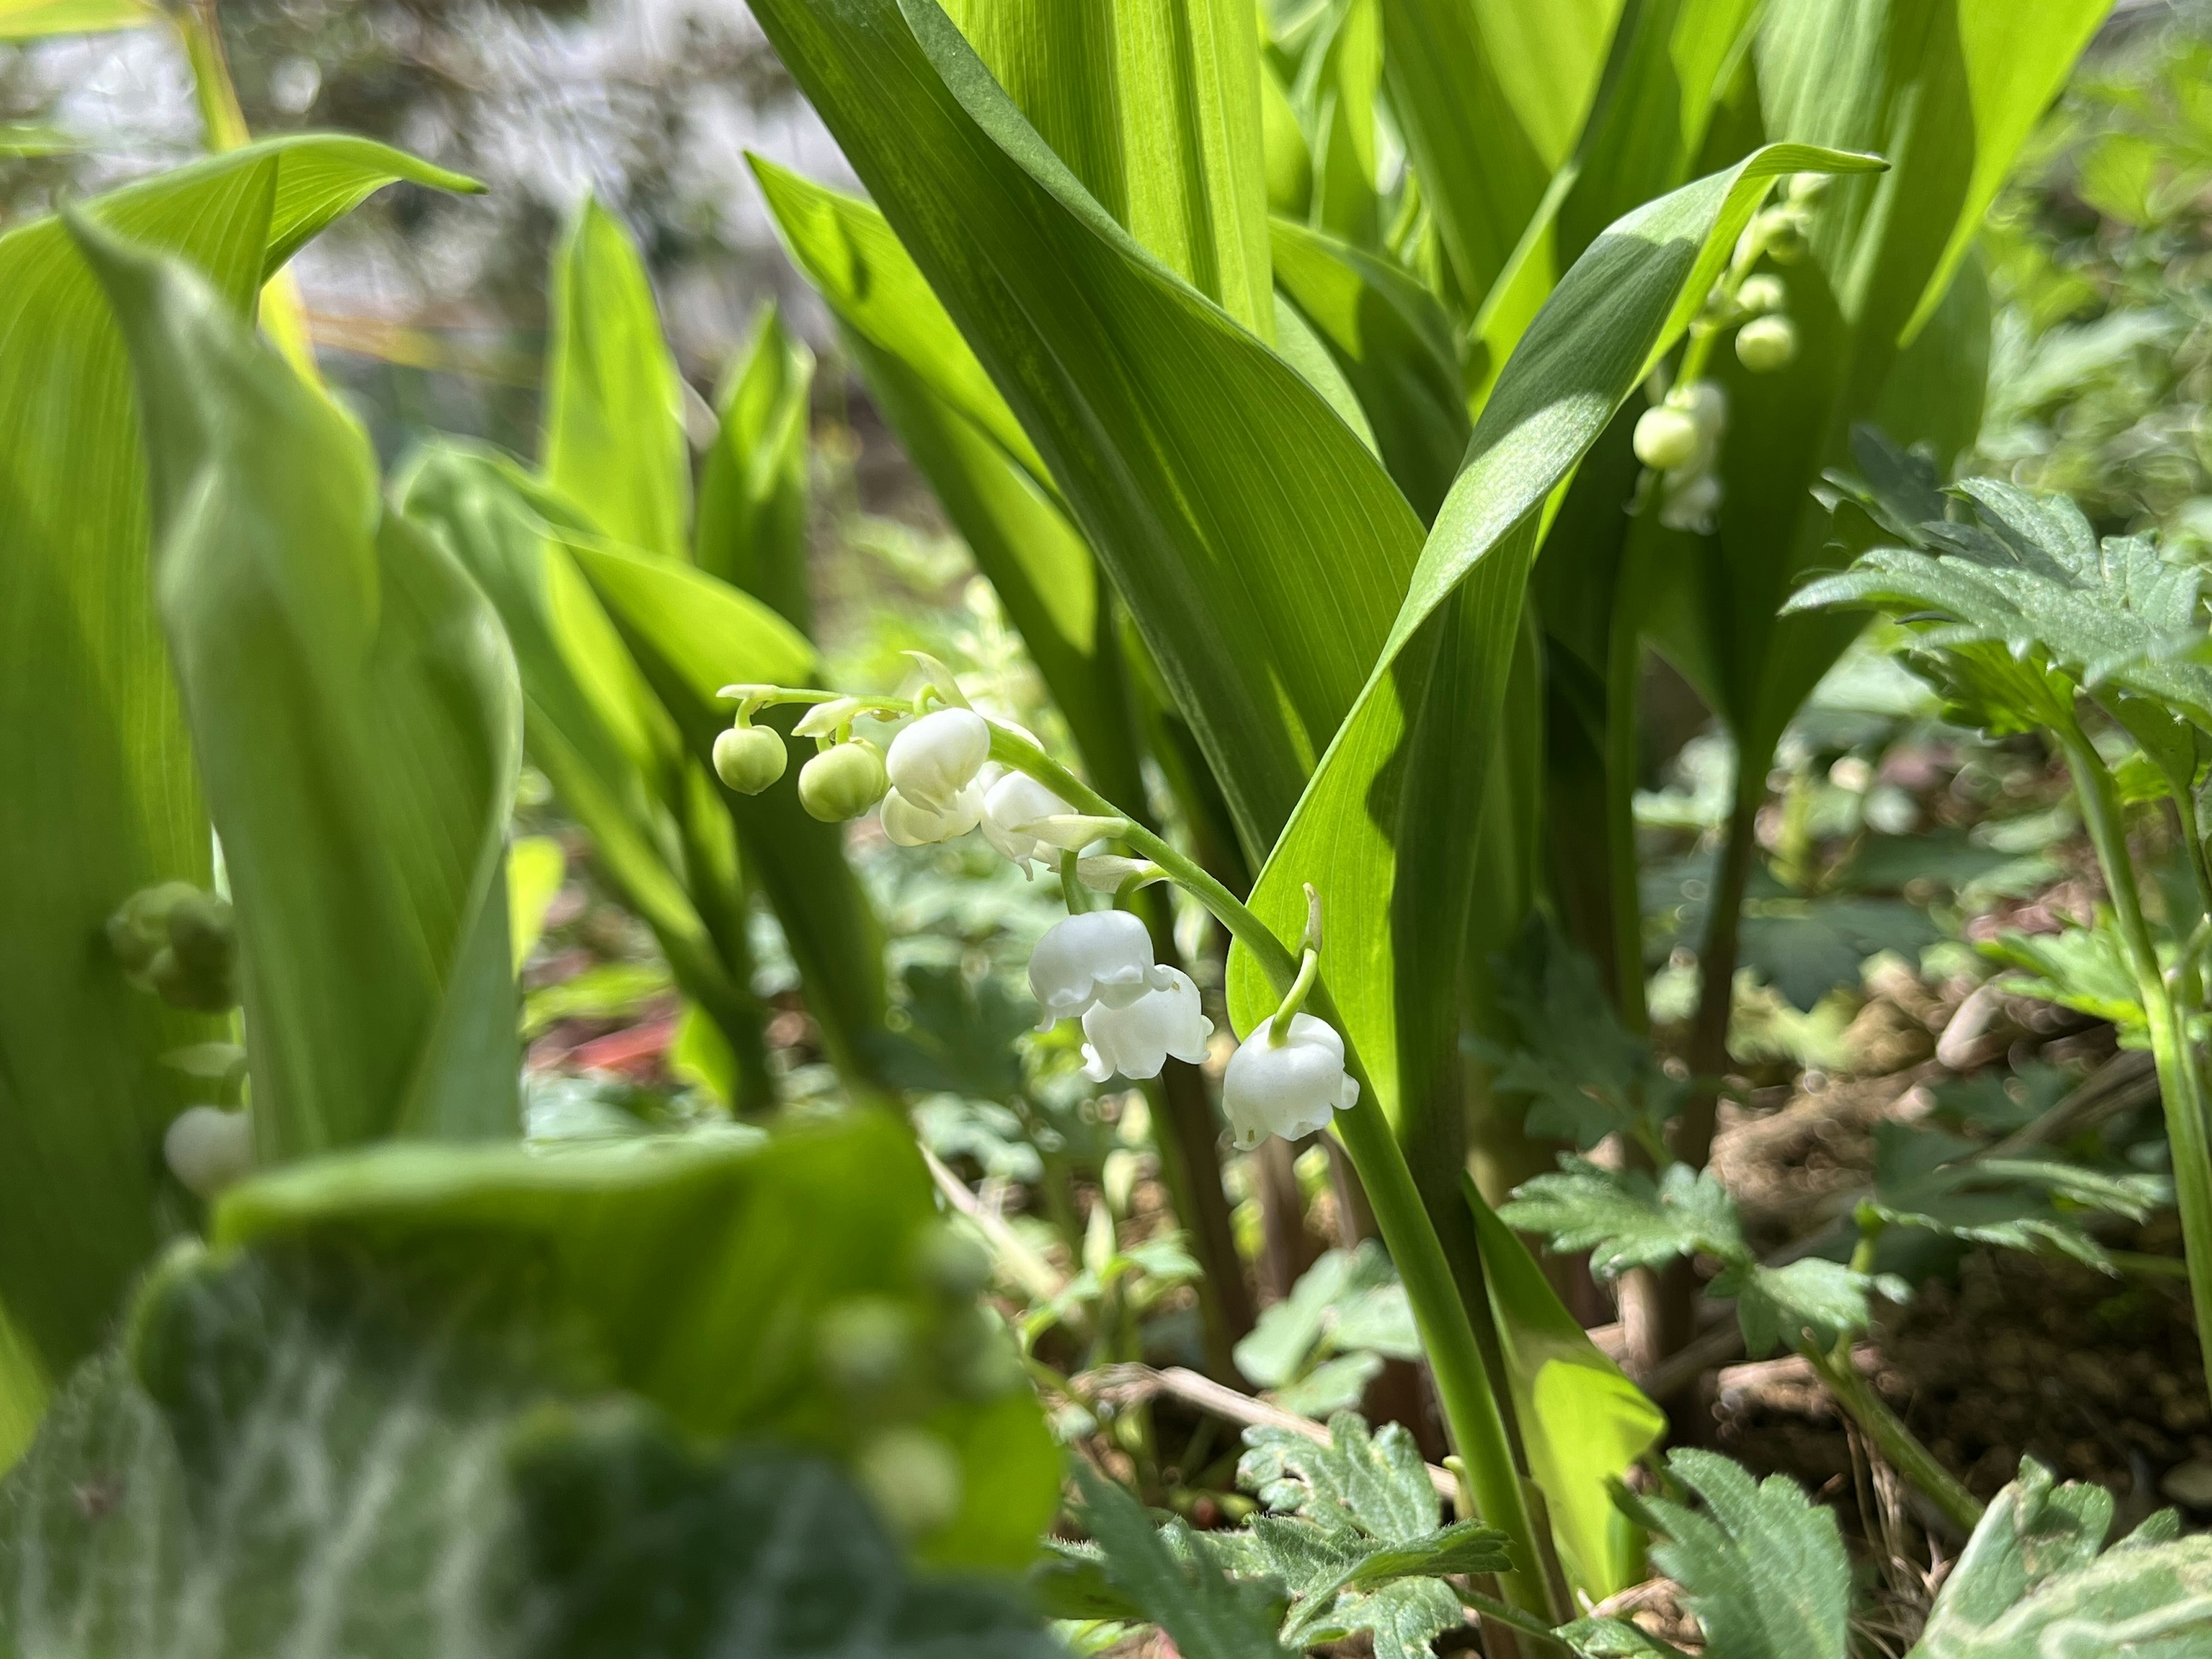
<point x="1625" y="1219"/>
<point x="1762" y="1569"/>
<point x="1777" y="1306"/>
<point x="1293" y="1333"/>
<point x="1582" y="1075"/>
<point x="2031" y="1582"/>
<point x="2085" y="968"/>
<point x="1467" y="1547"/>
<point x="1183" y="1592"/>
<point x="104" y="799"/>
<point x="315" y="1462"/>
<point x="1375" y="1483"/>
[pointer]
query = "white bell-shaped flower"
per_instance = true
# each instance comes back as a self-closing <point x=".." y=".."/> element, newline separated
<point x="1288" y="1089"/>
<point x="935" y="758"/>
<point x="1010" y="807"/>
<point x="1101" y="956"/>
<point x="1136" y="1040"/>
<point x="207" y="1148"/>
<point x="909" y="824"/>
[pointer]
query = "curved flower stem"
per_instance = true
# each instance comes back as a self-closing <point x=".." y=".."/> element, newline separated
<point x="1470" y="1407"/>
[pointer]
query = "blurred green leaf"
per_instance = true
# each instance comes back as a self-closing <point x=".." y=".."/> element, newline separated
<point x="103" y="800"/>
<point x="355" y="714"/>
<point x="614" y="440"/>
<point x="592" y="724"/>
<point x="29" y="19"/>
<point x="751" y="529"/>
<point x="447" y="1483"/>
<point x="794" y="1289"/>
<point x="537" y="866"/>
<point x="609" y="990"/>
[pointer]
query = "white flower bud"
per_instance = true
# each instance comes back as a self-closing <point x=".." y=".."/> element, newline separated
<point x="749" y="758"/>
<point x="1707" y="406"/>
<point x="1767" y="343"/>
<point x="1103" y="955"/>
<point x="937" y="757"/>
<point x="1290" y="1089"/>
<point x="909" y="824"/>
<point x="1692" y="504"/>
<point x="1137" y="1039"/>
<point x="207" y="1148"/>
<point x="1010" y="806"/>
<point x="1666" y="437"/>
<point x="1762" y="294"/>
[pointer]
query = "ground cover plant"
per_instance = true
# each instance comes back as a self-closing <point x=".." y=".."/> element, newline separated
<point x="1206" y="1042"/>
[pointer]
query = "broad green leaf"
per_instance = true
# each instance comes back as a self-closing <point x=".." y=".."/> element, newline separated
<point x="614" y="403"/>
<point x="536" y="865"/>
<point x="752" y="530"/>
<point x="1762" y="1569"/>
<point x="691" y="635"/>
<point x="1183" y="1592"/>
<point x="744" y="1289"/>
<point x="1625" y="1219"/>
<point x="592" y="726"/>
<point x="1260" y="548"/>
<point x="1393" y="343"/>
<point x="846" y="250"/>
<point x="29" y="19"/>
<point x="1584" y="1423"/>
<point x="2030" y="1581"/>
<point x="1383" y="832"/>
<point x="959" y="433"/>
<point x="355" y="714"/>
<point x="306" y="1461"/>
<point x="104" y="799"/>
<point x="1154" y="104"/>
<point x="1491" y="94"/>
<point x="1339" y="86"/>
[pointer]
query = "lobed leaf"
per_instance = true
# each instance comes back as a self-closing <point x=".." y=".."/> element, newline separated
<point x="1625" y="1219"/>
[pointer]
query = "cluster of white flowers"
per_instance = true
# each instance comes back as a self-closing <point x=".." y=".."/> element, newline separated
<point x="936" y="782"/>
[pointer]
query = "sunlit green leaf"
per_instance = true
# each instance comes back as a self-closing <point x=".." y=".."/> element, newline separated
<point x="751" y="529"/>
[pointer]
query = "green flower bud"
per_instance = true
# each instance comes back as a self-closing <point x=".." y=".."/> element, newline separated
<point x="843" y="782"/>
<point x="141" y="927"/>
<point x="1767" y="343"/>
<point x="913" y="1476"/>
<point x="1785" y="236"/>
<point x="182" y="986"/>
<point x="749" y="758"/>
<point x="1762" y="294"/>
<point x="204" y="935"/>
<point x="1666" y="437"/>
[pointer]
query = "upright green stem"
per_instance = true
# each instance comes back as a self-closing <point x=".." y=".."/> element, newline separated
<point x="2180" y="1077"/>
<point x="1898" y="1444"/>
<point x="1471" y="1409"/>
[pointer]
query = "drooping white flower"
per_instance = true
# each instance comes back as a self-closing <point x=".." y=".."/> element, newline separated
<point x="936" y="757"/>
<point x="1136" y="1039"/>
<point x="207" y="1148"/>
<point x="1101" y="956"/>
<point x="1288" y="1089"/>
<point x="910" y="823"/>
<point x="1010" y="807"/>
